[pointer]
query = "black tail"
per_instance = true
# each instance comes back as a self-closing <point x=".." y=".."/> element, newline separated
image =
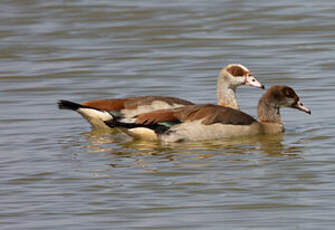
<point x="115" y="123"/>
<point x="63" y="104"/>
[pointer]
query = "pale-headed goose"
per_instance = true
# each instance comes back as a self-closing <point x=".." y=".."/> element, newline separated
<point x="98" y="111"/>
<point x="204" y="122"/>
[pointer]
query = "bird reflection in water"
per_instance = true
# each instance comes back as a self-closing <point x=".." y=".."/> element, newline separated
<point x="118" y="143"/>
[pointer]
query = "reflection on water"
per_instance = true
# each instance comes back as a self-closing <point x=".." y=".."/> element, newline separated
<point x="271" y="145"/>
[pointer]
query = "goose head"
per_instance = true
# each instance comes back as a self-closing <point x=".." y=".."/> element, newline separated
<point x="284" y="96"/>
<point x="237" y="75"/>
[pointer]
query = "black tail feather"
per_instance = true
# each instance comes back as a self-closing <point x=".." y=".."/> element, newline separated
<point x="115" y="123"/>
<point x="63" y="104"/>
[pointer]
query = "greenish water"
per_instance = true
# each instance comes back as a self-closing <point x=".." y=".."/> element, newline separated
<point x="58" y="174"/>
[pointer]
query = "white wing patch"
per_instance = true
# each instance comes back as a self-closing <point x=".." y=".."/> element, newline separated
<point x="129" y="114"/>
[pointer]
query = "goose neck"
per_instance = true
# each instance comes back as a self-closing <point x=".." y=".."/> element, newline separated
<point x="226" y="94"/>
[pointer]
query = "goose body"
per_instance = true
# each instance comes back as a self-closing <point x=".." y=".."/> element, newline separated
<point x="204" y="122"/>
<point x="98" y="111"/>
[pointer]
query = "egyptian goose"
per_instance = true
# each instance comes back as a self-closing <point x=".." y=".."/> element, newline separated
<point x="95" y="112"/>
<point x="203" y="122"/>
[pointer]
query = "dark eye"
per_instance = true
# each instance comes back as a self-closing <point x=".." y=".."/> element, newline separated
<point x="253" y="80"/>
<point x="289" y="93"/>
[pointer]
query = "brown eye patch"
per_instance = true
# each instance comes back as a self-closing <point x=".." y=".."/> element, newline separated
<point x="237" y="71"/>
<point x="288" y="92"/>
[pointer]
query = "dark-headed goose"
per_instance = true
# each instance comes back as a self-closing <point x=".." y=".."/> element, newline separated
<point x="95" y="112"/>
<point x="203" y="122"/>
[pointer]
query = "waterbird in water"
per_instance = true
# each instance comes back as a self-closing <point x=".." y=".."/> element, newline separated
<point x="204" y="122"/>
<point x="98" y="111"/>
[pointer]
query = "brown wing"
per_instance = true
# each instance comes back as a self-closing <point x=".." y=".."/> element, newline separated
<point x="107" y="104"/>
<point x="210" y="114"/>
<point x="226" y="115"/>
<point x="132" y="102"/>
<point x="162" y="115"/>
